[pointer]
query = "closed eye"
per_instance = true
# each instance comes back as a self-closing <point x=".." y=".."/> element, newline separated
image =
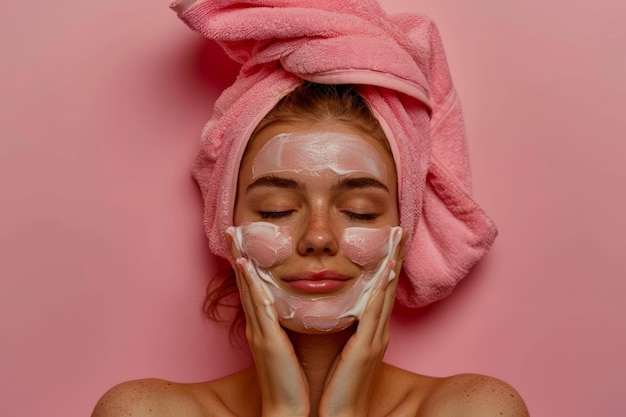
<point x="275" y="214"/>
<point x="364" y="217"/>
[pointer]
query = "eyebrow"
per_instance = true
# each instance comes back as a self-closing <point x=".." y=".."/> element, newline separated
<point x="272" y="181"/>
<point x="359" y="182"/>
<point x="345" y="184"/>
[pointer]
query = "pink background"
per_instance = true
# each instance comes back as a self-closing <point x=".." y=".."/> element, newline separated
<point x="103" y="261"/>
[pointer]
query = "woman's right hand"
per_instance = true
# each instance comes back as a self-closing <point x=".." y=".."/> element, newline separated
<point x="284" y="389"/>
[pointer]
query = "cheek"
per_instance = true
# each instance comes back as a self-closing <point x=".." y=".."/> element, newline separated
<point x="266" y="243"/>
<point x="365" y="247"/>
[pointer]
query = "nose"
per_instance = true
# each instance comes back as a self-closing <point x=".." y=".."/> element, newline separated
<point x="318" y="238"/>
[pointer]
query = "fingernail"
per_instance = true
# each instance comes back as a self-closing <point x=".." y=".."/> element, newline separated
<point x="241" y="263"/>
<point x="230" y="231"/>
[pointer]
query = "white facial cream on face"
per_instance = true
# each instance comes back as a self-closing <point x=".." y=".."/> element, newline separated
<point x="370" y="248"/>
<point x="318" y="154"/>
<point x="266" y="243"/>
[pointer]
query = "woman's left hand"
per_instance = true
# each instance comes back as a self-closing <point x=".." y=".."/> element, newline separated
<point x="351" y="380"/>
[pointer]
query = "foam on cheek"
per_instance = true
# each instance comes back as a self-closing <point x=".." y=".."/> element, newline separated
<point x="265" y="243"/>
<point x="318" y="154"/>
<point x="365" y="246"/>
<point x="372" y="249"/>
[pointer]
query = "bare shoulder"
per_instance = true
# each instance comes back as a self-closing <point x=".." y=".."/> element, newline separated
<point x="471" y="395"/>
<point x="150" y="397"/>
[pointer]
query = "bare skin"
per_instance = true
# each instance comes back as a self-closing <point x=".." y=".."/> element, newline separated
<point x="301" y="372"/>
<point x="398" y="393"/>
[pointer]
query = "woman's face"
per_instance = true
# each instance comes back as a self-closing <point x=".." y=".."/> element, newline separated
<point x="316" y="204"/>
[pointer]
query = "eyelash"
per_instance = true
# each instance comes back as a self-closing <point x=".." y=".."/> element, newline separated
<point x="367" y="217"/>
<point x="275" y="214"/>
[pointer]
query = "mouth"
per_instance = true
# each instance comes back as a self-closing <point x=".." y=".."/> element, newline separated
<point x="317" y="282"/>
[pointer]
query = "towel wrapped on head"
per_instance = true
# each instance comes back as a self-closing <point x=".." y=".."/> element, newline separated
<point x="399" y="67"/>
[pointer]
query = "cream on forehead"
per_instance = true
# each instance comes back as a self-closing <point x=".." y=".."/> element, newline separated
<point x="318" y="154"/>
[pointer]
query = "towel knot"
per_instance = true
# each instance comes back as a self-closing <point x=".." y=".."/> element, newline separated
<point x="322" y="41"/>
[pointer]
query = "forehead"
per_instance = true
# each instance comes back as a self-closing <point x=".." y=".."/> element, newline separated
<point x="336" y="148"/>
<point x="318" y="154"/>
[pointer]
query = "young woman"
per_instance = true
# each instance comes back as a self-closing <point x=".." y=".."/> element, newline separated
<point x="335" y="178"/>
<point x="317" y="255"/>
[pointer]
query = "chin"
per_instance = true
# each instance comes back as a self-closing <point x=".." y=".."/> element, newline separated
<point x="317" y="324"/>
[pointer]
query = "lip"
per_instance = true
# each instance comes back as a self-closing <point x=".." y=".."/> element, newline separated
<point x="317" y="282"/>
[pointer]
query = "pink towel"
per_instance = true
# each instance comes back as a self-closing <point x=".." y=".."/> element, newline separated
<point x="399" y="64"/>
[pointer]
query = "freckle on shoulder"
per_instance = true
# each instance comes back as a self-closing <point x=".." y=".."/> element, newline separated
<point x="146" y="397"/>
<point x="472" y="395"/>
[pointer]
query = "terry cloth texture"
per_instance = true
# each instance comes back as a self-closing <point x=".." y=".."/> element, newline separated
<point x="399" y="65"/>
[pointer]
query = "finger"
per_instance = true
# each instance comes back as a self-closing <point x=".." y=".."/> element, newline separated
<point x="396" y="252"/>
<point x="258" y="302"/>
<point x="371" y="319"/>
<point x="262" y="299"/>
<point x="389" y="297"/>
<point x="375" y="320"/>
<point x="241" y="274"/>
<point x="245" y="295"/>
<point x="231" y="240"/>
<point x="397" y="239"/>
<point x="388" y="291"/>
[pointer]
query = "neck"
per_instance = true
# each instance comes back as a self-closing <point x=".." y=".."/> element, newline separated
<point x="317" y="354"/>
